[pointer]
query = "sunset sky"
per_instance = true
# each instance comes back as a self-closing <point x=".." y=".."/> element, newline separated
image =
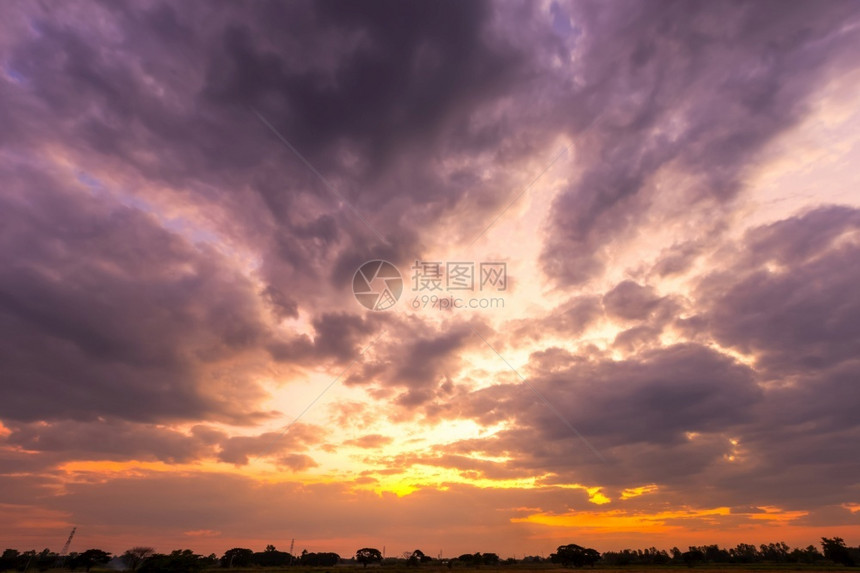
<point x="670" y="357"/>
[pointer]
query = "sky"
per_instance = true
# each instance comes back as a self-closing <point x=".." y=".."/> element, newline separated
<point x="628" y="241"/>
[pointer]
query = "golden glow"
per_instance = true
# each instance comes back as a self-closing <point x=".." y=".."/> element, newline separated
<point x="422" y="476"/>
<point x="111" y="469"/>
<point x="202" y="533"/>
<point x="617" y="520"/>
<point x="746" y="359"/>
<point x="637" y="491"/>
<point x="596" y="497"/>
<point x="776" y="514"/>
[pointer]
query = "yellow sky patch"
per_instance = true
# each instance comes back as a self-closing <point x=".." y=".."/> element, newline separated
<point x="622" y="521"/>
<point x="637" y="491"/>
<point x="777" y="514"/>
<point x="617" y="520"/>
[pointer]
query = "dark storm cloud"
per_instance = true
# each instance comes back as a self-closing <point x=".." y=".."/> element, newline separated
<point x="378" y="99"/>
<point x="637" y="337"/>
<point x="697" y="88"/>
<point x="795" y="465"/>
<point x="831" y="516"/>
<point x="630" y="301"/>
<point x="120" y="440"/>
<point x="115" y="103"/>
<point x="158" y="100"/>
<point x="14" y="490"/>
<point x="111" y="440"/>
<point x="570" y="318"/>
<point x="389" y="75"/>
<point x="336" y="335"/>
<point x="656" y="397"/>
<point x="138" y="101"/>
<point x="16" y="461"/>
<point x="426" y="357"/>
<point x="553" y="359"/>
<point x="149" y="94"/>
<point x="418" y="362"/>
<point x="677" y="258"/>
<point x="793" y="299"/>
<point x="639" y="413"/>
<point x="103" y="311"/>
<point x="668" y="415"/>
<point x="239" y="449"/>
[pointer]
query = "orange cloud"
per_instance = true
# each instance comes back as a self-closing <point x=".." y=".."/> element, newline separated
<point x="202" y="533"/>
<point x="637" y="491"/>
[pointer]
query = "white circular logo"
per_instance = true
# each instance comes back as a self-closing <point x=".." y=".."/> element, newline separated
<point x="377" y="285"/>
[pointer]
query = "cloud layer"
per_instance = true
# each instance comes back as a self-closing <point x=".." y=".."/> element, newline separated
<point x="189" y="189"/>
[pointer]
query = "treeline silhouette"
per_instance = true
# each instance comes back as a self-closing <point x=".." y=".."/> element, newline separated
<point x="146" y="560"/>
<point x="834" y="550"/>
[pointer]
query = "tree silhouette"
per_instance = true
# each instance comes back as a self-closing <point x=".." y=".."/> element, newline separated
<point x="9" y="559"/>
<point x="143" y="559"/>
<point x="808" y="555"/>
<point x="271" y="557"/>
<point x="179" y="561"/>
<point x="319" y="559"/>
<point x="417" y="558"/>
<point x="134" y="557"/>
<point x="368" y="555"/>
<point x="89" y="558"/>
<point x="693" y="556"/>
<point x="490" y="559"/>
<point x="836" y="551"/>
<point x="45" y="559"/>
<point x="775" y="551"/>
<point x="650" y="556"/>
<point x="744" y="553"/>
<point x="237" y="557"/>
<point x="575" y="555"/>
<point x="474" y="559"/>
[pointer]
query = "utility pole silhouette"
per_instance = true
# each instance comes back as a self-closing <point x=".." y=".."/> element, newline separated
<point x="68" y="543"/>
<point x="61" y="558"/>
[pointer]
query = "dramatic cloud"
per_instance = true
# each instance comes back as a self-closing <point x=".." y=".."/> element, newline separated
<point x="108" y="313"/>
<point x="792" y="300"/>
<point x="188" y="190"/>
<point x="692" y="92"/>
